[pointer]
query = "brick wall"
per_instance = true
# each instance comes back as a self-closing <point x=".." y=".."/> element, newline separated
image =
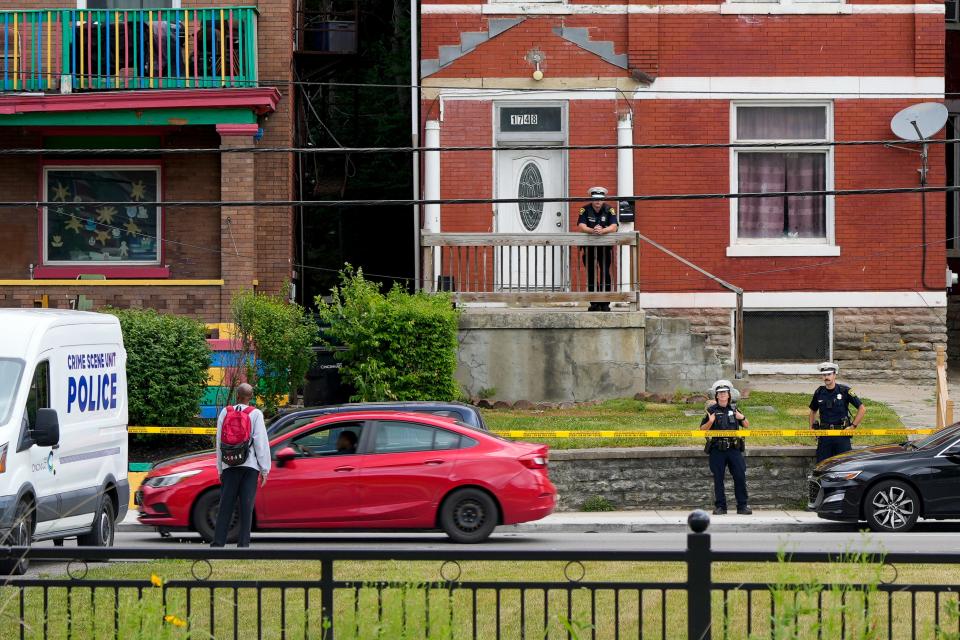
<point x="274" y="171"/>
<point x="708" y="44"/>
<point x="870" y="230"/>
<point x="200" y="302"/>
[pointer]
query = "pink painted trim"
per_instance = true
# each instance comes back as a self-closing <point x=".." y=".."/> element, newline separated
<point x="223" y="344"/>
<point x="237" y="129"/>
<point x="260" y="100"/>
<point x="124" y="273"/>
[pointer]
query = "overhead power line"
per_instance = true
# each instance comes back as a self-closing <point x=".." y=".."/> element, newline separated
<point x="848" y="261"/>
<point x="459" y="201"/>
<point x="373" y="150"/>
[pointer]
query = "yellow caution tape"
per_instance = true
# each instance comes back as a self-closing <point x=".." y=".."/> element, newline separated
<point x="193" y="431"/>
<point x="659" y="433"/>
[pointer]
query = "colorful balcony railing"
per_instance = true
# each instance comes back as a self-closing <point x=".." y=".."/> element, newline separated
<point x="101" y="49"/>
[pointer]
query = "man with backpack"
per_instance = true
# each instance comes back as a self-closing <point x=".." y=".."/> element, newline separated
<point x="243" y="455"/>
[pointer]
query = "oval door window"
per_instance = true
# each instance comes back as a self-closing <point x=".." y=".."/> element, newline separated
<point x="531" y="186"/>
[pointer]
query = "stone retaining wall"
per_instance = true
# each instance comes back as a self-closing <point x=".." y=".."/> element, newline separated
<point x="551" y="356"/>
<point x="676" y="477"/>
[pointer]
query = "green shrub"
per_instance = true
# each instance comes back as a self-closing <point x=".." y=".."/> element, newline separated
<point x="167" y="362"/>
<point x="597" y="503"/>
<point x="282" y="334"/>
<point x="398" y="346"/>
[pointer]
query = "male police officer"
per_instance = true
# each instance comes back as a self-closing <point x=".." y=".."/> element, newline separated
<point x="726" y="452"/>
<point x="598" y="218"/>
<point x="832" y="401"/>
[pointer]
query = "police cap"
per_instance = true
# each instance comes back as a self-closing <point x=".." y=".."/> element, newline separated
<point x="828" y="367"/>
<point x="598" y="193"/>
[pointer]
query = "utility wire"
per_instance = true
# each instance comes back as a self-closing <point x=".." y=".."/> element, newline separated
<point x="458" y="201"/>
<point x="884" y="254"/>
<point x="793" y="145"/>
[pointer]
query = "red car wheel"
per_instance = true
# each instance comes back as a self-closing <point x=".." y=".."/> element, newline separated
<point x="468" y="516"/>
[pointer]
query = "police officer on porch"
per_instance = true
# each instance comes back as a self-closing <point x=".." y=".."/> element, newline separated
<point x="598" y="218"/>
<point x="832" y="401"/>
<point x="726" y="452"/>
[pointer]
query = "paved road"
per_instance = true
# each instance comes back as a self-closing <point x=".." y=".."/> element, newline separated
<point x="928" y="537"/>
<point x="932" y="536"/>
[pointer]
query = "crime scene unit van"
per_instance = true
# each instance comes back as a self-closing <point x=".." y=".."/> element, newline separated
<point x="63" y="429"/>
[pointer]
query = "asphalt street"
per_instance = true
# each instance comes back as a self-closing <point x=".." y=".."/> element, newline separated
<point x="927" y="537"/>
<point x="930" y="536"/>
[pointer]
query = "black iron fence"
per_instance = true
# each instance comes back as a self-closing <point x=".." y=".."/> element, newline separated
<point x="465" y="592"/>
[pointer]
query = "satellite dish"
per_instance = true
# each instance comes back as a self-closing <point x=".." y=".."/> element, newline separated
<point x="920" y="121"/>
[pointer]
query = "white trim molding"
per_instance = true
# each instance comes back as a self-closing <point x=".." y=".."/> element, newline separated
<point x="781" y="250"/>
<point x="792" y="87"/>
<point x="795" y="300"/>
<point x="719" y="88"/>
<point x="728" y="8"/>
<point x="780" y="368"/>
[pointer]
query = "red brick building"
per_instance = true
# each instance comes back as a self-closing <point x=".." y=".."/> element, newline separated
<point x="824" y="277"/>
<point x="165" y="74"/>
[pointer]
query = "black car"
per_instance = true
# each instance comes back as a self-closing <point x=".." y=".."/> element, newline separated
<point x="891" y="486"/>
<point x="293" y="418"/>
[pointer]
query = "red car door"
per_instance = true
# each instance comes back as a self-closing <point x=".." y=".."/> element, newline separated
<point x="319" y="487"/>
<point x="408" y="470"/>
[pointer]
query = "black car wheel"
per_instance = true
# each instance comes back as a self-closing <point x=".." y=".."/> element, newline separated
<point x="892" y="505"/>
<point x="20" y="536"/>
<point x="204" y="515"/>
<point x="468" y="516"/>
<point x="102" y="532"/>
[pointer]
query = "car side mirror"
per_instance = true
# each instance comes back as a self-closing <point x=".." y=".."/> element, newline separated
<point x="285" y="455"/>
<point x="953" y="451"/>
<point x="46" y="433"/>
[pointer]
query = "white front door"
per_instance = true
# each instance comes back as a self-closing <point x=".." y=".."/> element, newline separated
<point x="530" y="174"/>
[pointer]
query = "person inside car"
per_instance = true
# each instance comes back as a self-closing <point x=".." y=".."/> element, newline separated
<point x="347" y="442"/>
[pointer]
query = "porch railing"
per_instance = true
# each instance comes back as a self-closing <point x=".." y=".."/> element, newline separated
<point x="101" y="49"/>
<point x="534" y="267"/>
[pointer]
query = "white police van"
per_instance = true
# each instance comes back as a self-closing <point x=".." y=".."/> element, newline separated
<point x="63" y="428"/>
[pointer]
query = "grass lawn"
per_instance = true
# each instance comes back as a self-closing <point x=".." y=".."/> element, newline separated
<point x="427" y="609"/>
<point x="789" y="411"/>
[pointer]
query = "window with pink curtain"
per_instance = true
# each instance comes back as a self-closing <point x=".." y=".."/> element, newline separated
<point x="761" y="172"/>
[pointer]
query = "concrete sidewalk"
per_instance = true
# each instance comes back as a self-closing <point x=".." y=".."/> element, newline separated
<point x="773" y="521"/>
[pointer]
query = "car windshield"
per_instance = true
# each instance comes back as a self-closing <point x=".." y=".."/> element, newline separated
<point x="10" y="372"/>
<point x="938" y="439"/>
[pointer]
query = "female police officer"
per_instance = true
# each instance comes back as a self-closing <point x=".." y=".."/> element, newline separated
<point x="726" y="452"/>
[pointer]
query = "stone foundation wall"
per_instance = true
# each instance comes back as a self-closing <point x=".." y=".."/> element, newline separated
<point x="676" y="477"/>
<point x="871" y="343"/>
<point x="715" y="325"/>
<point x="888" y="344"/>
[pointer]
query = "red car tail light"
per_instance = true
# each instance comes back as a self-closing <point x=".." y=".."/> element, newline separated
<point x="534" y="461"/>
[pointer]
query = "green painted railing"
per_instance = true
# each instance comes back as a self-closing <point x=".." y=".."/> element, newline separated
<point x="100" y="49"/>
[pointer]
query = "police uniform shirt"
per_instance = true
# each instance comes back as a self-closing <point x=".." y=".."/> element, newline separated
<point x="833" y="405"/>
<point x="592" y="218"/>
<point x="726" y="419"/>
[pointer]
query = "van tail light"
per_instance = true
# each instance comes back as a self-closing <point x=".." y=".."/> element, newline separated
<point x="534" y="461"/>
<point x="3" y="458"/>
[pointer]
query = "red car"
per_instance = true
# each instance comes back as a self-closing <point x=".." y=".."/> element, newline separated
<point x="408" y="471"/>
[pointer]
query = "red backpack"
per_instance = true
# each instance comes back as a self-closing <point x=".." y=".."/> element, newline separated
<point x="236" y="436"/>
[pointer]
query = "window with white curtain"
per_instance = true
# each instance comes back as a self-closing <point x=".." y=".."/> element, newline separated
<point x="800" y="163"/>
